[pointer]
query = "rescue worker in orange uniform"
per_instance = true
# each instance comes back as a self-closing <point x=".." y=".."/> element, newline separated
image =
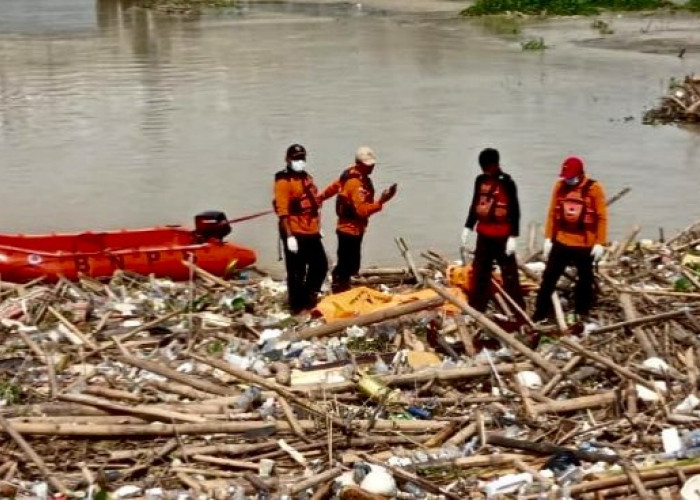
<point x="355" y="204"/>
<point x="297" y="205"/>
<point x="495" y="211"/>
<point x="575" y="232"/>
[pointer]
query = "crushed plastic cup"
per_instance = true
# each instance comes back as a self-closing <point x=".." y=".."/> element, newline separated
<point x="687" y="405"/>
<point x="646" y="394"/>
<point x="656" y="365"/>
<point x="529" y="379"/>
<point x="507" y="484"/>
<point x="265" y="467"/>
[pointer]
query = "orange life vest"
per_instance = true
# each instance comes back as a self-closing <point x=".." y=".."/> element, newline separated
<point x="344" y="206"/>
<point x="491" y="203"/>
<point x="575" y="212"/>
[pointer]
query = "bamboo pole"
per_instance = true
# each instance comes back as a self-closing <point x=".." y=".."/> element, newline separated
<point x="570" y="365"/>
<point x="504" y="337"/>
<point x="305" y="484"/>
<point x="145" y="412"/>
<point x="16" y="436"/>
<point x="425" y="375"/>
<point x="163" y="370"/>
<point x="567" y="405"/>
<point x="216" y="427"/>
<point x="638" y="321"/>
<point x="631" y="315"/>
<point x="544" y="448"/>
<point x="620" y="370"/>
<point x="363" y="320"/>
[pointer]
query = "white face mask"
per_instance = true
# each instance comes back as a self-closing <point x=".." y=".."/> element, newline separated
<point x="571" y="182"/>
<point x="298" y="165"/>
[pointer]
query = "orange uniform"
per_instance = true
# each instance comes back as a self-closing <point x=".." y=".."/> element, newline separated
<point x="355" y="201"/>
<point x="578" y="215"/>
<point x="296" y="201"/>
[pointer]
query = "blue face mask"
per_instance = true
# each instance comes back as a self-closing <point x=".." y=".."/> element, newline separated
<point x="571" y="182"/>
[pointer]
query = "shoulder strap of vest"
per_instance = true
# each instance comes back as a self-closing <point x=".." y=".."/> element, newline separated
<point x="282" y="175"/>
<point x="587" y="186"/>
<point x="347" y="175"/>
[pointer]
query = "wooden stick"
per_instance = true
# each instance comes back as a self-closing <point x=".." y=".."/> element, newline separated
<point x="216" y="427"/>
<point x="634" y="478"/>
<point x="437" y="439"/>
<point x="465" y="336"/>
<point x="554" y="381"/>
<point x="559" y="312"/>
<point x="406" y="254"/>
<point x="32" y="455"/>
<point x="305" y="484"/>
<point x="363" y="320"/>
<point x="425" y="375"/>
<point x="163" y="370"/>
<point x="293" y="422"/>
<point x="567" y="405"/>
<point x="641" y="320"/>
<point x="74" y="329"/>
<point x="623" y="372"/>
<point x="631" y="315"/>
<point x="513" y="303"/>
<point x="406" y="476"/>
<point x="645" y="476"/>
<point x="464" y="434"/>
<point x="544" y="448"/>
<point x="504" y="337"/>
<point x="206" y="274"/>
<point x="139" y="411"/>
<point x="227" y="462"/>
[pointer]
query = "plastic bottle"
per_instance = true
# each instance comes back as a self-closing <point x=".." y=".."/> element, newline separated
<point x="245" y="400"/>
<point x="414" y="490"/>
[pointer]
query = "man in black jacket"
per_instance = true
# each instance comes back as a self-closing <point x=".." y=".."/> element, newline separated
<point x="495" y="211"/>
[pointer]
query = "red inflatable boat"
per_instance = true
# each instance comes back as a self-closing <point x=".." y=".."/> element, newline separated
<point x="158" y="251"/>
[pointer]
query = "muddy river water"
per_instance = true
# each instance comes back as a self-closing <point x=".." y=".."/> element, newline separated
<point x="113" y="117"/>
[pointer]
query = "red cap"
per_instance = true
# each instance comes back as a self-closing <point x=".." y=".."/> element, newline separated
<point x="572" y="167"/>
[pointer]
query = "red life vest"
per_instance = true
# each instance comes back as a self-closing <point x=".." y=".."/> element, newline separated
<point x="575" y="212"/>
<point x="491" y="203"/>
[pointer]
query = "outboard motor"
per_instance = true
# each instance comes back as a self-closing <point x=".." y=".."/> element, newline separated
<point x="211" y="224"/>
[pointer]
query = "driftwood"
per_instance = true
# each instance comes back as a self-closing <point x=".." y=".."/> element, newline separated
<point x="364" y="320"/>
<point x="492" y="327"/>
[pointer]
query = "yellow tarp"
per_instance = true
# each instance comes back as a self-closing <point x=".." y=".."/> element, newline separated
<point x="363" y="300"/>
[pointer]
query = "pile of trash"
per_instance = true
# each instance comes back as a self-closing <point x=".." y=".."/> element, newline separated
<point x="681" y="104"/>
<point x="144" y="388"/>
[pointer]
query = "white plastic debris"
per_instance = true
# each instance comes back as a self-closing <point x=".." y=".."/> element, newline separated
<point x="213" y="320"/>
<point x="656" y="365"/>
<point x="691" y="489"/>
<point x="40" y="490"/>
<point x="536" y="267"/>
<point x="269" y="334"/>
<point x="687" y="405"/>
<point x="132" y="323"/>
<point x="379" y="482"/>
<point x="126" y="491"/>
<point x="648" y="395"/>
<point x="529" y="379"/>
<point x="671" y="440"/>
<point x="355" y="332"/>
<point x="507" y="484"/>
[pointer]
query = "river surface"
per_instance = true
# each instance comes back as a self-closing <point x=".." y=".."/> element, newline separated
<point x="114" y="117"/>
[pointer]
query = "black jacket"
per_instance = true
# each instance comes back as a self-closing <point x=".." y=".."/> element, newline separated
<point x="513" y="204"/>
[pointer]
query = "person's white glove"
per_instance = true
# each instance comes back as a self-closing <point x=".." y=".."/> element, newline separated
<point x="511" y="244"/>
<point x="465" y="235"/>
<point x="292" y="244"/>
<point x="546" y="248"/>
<point x="597" y="252"/>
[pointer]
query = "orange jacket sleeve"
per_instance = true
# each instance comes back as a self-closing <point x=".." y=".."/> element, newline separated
<point x="331" y="190"/>
<point x="282" y="198"/>
<point x="601" y="209"/>
<point x="363" y="207"/>
<point x="549" y="223"/>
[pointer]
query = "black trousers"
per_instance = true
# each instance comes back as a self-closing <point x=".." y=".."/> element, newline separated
<point x="306" y="271"/>
<point x="560" y="257"/>
<point x="487" y="251"/>
<point x="349" y="260"/>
